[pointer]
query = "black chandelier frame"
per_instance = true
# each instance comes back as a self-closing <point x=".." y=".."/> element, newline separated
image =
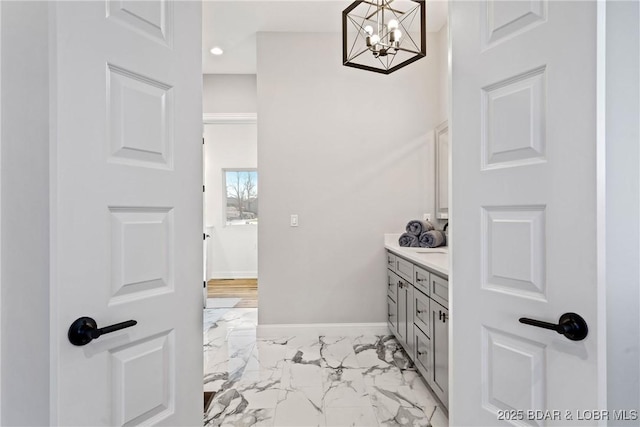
<point x="347" y="59"/>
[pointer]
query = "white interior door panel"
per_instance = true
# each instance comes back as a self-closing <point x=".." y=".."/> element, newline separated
<point x="524" y="211"/>
<point x="127" y="211"/>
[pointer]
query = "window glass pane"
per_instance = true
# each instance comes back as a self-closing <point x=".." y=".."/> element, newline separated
<point x="242" y="196"/>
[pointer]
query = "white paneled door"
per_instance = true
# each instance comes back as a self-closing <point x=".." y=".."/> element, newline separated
<point x="127" y="211"/>
<point x="524" y="220"/>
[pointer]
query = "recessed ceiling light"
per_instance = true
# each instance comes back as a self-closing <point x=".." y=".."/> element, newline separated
<point x="217" y="51"/>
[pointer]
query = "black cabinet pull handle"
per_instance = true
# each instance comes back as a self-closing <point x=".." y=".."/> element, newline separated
<point x="571" y="325"/>
<point x="84" y="330"/>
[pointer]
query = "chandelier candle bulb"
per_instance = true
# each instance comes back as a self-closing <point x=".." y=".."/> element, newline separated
<point x="394" y="38"/>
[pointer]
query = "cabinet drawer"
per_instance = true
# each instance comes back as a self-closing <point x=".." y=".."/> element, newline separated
<point x="423" y="356"/>
<point x="391" y="261"/>
<point x="421" y="278"/>
<point x="392" y="315"/>
<point x="421" y="312"/>
<point x="392" y="285"/>
<point x="404" y="269"/>
<point x="440" y="290"/>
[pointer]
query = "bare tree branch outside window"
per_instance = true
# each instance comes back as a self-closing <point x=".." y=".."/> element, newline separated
<point x="242" y="196"/>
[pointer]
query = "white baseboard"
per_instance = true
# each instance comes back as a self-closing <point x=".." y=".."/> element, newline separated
<point x="233" y="275"/>
<point x="328" y="329"/>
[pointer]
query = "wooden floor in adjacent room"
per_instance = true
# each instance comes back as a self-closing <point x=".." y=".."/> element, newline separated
<point x="246" y="289"/>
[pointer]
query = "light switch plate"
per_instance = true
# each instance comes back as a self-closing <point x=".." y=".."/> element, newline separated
<point x="294" y="220"/>
<point x="426" y="217"/>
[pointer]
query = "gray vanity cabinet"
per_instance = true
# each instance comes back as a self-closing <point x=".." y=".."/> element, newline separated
<point x="419" y="318"/>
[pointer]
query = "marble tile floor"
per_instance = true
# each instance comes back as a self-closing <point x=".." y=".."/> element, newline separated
<point x="309" y="381"/>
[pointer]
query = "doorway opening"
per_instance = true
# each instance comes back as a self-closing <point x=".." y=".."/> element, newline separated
<point x="231" y="184"/>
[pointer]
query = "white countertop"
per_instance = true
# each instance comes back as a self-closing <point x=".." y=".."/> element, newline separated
<point x="436" y="259"/>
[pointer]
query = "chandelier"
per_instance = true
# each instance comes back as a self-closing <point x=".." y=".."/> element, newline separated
<point x="383" y="35"/>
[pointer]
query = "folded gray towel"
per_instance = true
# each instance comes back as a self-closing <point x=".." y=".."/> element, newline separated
<point x="417" y="227"/>
<point x="432" y="239"/>
<point x="409" y="240"/>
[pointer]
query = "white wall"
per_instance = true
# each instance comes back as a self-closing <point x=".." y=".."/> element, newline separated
<point x="232" y="251"/>
<point x="350" y="152"/>
<point x="229" y="93"/>
<point x="623" y="206"/>
<point x="441" y="50"/>
<point x="24" y="178"/>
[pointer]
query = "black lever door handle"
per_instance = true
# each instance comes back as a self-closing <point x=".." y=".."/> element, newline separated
<point x="571" y="325"/>
<point x="84" y="330"/>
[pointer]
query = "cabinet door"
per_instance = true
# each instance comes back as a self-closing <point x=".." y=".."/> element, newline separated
<point x="392" y="316"/>
<point x="402" y="312"/>
<point x="440" y="340"/>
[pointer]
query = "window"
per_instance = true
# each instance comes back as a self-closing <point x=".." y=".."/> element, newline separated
<point x="242" y="196"/>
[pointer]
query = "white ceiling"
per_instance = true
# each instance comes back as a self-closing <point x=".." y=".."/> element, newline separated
<point x="233" y="24"/>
